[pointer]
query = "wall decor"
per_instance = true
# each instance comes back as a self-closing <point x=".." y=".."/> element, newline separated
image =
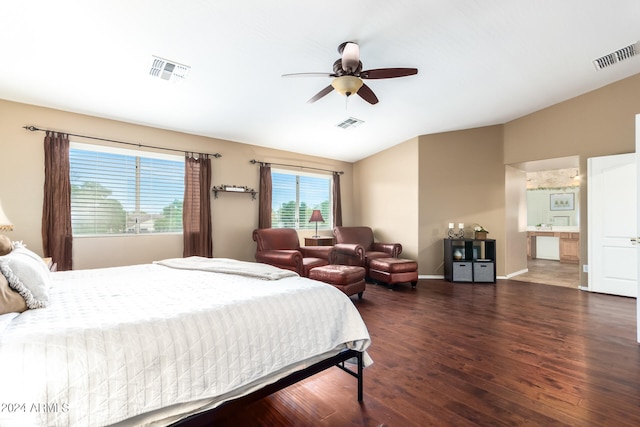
<point x="561" y="201"/>
<point x="233" y="189"/>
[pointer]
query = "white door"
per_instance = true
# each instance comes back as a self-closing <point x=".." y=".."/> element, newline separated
<point x="613" y="267"/>
<point x="638" y="219"/>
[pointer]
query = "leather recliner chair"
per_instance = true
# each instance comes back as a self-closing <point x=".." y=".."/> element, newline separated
<point x="280" y="247"/>
<point x="356" y="246"/>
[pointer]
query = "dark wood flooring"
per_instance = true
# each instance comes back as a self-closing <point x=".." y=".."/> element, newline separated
<point x="510" y="354"/>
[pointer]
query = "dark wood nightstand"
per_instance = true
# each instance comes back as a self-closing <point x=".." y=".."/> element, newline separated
<point x="52" y="265"/>
<point x="319" y="241"/>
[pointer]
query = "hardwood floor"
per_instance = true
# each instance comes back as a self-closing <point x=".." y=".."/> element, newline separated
<point x="510" y="354"/>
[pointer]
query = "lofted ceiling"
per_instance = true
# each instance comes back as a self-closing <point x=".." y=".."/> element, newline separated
<point x="480" y="63"/>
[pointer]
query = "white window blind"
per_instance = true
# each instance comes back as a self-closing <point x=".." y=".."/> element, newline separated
<point x="296" y="195"/>
<point x="119" y="191"/>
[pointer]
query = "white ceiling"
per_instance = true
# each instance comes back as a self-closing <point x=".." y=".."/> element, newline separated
<point x="480" y="63"/>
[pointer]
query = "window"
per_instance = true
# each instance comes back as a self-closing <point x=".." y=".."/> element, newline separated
<point x="119" y="191"/>
<point x="296" y="195"/>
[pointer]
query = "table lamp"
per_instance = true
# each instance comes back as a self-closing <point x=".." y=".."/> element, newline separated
<point x="316" y="216"/>
<point x="6" y="224"/>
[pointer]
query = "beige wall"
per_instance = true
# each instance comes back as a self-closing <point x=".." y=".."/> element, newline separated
<point x="233" y="216"/>
<point x="465" y="176"/>
<point x="387" y="196"/>
<point x="515" y="242"/>
<point x="407" y="193"/>
<point x="598" y="123"/>
<point x="461" y="180"/>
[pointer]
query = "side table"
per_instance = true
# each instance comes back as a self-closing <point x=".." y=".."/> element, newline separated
<point x="319" y="241"/>
<point x="52" y="265"/>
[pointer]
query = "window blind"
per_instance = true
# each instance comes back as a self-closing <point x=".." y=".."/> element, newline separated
<point x="119" y="191"/>
<point x="296" y="195"/>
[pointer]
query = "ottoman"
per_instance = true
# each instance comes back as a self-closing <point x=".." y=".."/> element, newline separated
<point x="394" y="270"/>
<point x="348" y="278"/>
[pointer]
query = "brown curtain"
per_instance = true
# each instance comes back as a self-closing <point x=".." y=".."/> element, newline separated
<point x="57" y="237"/>
<point x="196" y="211"/>
<point x="264" y="204"/>
<point x="337" y="201"/>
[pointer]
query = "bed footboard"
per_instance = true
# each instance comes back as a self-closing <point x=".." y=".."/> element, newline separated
<point x="207" y="417"/>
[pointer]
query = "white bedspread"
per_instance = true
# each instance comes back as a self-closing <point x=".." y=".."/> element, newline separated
<point x="229" y="266"/>
<point x="119" y="342"/>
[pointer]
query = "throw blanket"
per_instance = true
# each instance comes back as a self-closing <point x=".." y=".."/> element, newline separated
<point x="228" y="266"/>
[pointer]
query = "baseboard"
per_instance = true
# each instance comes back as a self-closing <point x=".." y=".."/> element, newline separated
<point x="441" y="277"/>
<point x="430" y="276"/>
<point x="508" y="276"/>
<point x="517" y="273"/>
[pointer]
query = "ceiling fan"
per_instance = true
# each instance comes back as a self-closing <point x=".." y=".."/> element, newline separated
<point x="348" y="74"/>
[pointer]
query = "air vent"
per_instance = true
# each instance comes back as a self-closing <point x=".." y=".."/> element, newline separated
<point x="351" y="122"/>
<point x="168" y="70"/>
<point x="617" y="56"/>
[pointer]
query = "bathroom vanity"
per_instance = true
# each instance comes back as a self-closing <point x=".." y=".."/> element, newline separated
<point x="559" y="243"/>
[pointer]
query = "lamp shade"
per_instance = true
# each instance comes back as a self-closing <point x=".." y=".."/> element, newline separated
<point x="5" y="223"/>
<point x="316" y="216"/>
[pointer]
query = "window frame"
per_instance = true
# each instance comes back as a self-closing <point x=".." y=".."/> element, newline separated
<point x="328" y="218"/>
<point x="137" y="153"/>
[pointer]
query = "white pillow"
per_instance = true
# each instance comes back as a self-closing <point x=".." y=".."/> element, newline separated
<point x="10" y="300"/>
<point x="27" y="274"/>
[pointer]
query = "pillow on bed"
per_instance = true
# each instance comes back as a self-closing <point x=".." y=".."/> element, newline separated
<point x="27" y="274"/>
<point x="10" y="300"/>
<point x="5" y="245"/>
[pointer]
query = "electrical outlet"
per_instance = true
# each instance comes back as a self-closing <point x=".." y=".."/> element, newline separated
<point x="585" y="268"/>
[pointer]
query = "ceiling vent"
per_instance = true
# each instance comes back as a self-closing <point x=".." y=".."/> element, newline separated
<point x="168" y="70"/>
<point x="351" y="122"/>
<point x="617" y="56"/>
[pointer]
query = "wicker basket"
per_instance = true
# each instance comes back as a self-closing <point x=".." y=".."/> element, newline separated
<point x="481" y="235"/>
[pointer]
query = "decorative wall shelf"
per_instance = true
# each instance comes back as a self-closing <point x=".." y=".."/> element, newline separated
<point x="234" y="189"/>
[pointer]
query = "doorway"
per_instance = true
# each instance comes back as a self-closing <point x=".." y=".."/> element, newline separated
<point x="553" y="222"/>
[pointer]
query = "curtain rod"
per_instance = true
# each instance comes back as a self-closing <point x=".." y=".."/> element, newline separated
<point x="34" y="129"/>
<point x="254" y="161"/>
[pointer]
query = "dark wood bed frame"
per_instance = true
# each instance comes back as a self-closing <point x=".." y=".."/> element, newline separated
<point x="206" y="418"/>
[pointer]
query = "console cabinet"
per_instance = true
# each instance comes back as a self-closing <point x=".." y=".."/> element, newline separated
<point x="470" y="260"/>
<point x="319" y="241"/>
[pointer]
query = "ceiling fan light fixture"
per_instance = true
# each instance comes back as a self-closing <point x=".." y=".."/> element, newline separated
<point x="347" y="85"/>
<point x="348" y="75"/>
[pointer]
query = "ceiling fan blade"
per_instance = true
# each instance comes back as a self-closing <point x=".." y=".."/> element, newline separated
<point x="309" y="75"/>
<point x="350" y="56"/>
<point x="320" y="94"/>
<point x="388" y="73"/>
<point x="367" y="94"/>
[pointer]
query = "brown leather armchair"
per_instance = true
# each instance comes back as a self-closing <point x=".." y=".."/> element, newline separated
<point x="356" y="246"/>
<point x="280" y="247"/>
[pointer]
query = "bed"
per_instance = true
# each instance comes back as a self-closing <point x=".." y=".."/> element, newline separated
<point x="158" y="343"/>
